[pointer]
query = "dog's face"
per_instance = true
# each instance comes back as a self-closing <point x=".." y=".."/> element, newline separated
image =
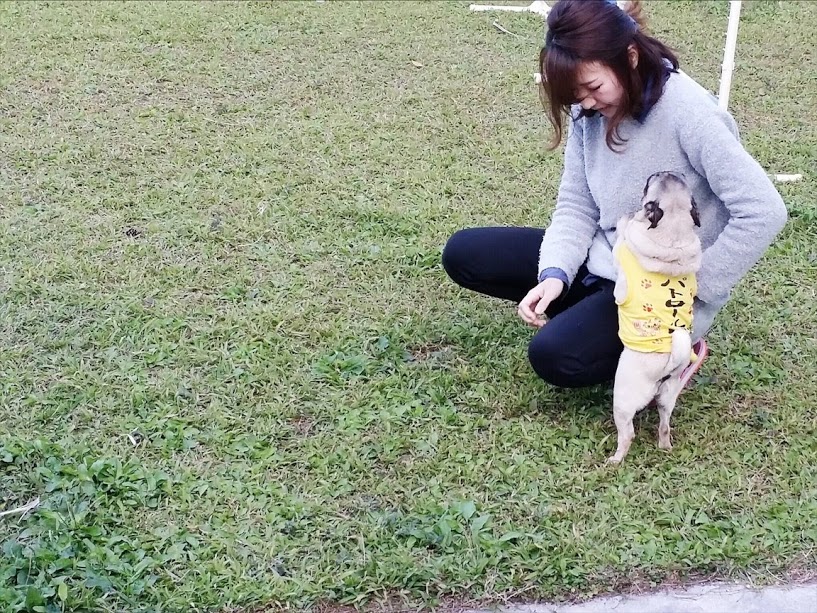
<point x="667" y="194"/>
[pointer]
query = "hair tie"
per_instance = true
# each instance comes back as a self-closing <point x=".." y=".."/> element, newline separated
<point x="626" y="14"/>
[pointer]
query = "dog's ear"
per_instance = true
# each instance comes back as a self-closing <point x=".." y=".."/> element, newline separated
<point x="647" y="184"/>
<point x="694" y="212"/>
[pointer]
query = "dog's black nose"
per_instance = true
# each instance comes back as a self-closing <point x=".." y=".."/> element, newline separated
<point x="653" y="212"/>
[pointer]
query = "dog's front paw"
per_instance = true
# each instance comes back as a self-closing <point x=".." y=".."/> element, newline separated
<point x="613" y="461"/>
<point x="665" y="445"/>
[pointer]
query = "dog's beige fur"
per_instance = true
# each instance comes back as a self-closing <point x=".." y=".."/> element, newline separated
<point x="661" y="235"/>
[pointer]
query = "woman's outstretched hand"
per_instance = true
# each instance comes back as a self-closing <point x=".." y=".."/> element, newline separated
<point x="535" y="302"/>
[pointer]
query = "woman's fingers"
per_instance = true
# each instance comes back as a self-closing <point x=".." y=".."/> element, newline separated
<point x="529" y="306"/>
<point x="533" y="306"/>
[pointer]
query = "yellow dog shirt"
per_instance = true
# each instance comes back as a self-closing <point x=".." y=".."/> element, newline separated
<point x="655" y="305"/>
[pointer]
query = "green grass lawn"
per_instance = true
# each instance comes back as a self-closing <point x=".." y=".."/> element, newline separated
<point x="236" y="375"/>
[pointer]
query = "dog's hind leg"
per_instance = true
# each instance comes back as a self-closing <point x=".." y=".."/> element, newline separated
<point x="671" y="385"/>
<point x="623" y="415"/>
<point x="631" y="393"/>
<point x="666" y="399"/>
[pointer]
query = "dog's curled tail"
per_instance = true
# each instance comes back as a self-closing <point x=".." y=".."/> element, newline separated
<point x="681" y="351"/>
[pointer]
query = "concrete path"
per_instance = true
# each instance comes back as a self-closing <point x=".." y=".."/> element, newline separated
<point x="711" y="598"/>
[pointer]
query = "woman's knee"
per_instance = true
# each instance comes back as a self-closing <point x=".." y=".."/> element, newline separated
<point x="457" y="255"/>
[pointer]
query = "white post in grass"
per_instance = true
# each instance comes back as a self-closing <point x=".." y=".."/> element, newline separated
<point x="729" y="54"/>
<point x="539" y="7"/>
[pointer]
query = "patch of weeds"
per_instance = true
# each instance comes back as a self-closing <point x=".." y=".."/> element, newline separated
<point x="79" y="547"/>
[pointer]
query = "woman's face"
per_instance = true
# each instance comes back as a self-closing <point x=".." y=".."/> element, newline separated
<point x="598" y="88"/>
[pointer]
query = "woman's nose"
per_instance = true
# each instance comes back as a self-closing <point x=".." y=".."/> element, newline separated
<point x="588" y="103"/>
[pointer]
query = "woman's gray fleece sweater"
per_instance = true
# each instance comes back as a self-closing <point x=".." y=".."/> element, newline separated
<point x="741" y="211"/>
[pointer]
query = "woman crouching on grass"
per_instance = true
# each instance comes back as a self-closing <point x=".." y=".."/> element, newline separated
<point x="630" y="113"/>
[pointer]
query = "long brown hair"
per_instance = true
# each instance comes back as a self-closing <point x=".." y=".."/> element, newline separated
<point x="599" y="31"/>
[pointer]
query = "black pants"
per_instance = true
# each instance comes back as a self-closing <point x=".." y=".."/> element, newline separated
<point x="579" y="346"/>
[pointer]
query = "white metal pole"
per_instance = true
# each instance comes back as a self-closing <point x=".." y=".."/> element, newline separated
<point x="491" y="7"/>
<point x="729" y="54"/>
<point x="539" y="7"/>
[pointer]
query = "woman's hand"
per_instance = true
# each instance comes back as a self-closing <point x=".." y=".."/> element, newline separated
<point x="535" y="302"/>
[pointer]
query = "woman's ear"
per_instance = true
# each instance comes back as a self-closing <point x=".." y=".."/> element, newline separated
<point x="632" y="54"/>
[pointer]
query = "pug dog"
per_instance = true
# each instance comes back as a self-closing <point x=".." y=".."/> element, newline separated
<point x="657" y="256"/>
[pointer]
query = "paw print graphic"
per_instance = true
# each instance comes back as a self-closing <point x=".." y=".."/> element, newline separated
<point x="647" y="307"/>
<point x="645" y="283"/>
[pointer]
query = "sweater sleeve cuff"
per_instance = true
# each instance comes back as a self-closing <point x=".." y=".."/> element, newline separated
<point x="554" y="273"/>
